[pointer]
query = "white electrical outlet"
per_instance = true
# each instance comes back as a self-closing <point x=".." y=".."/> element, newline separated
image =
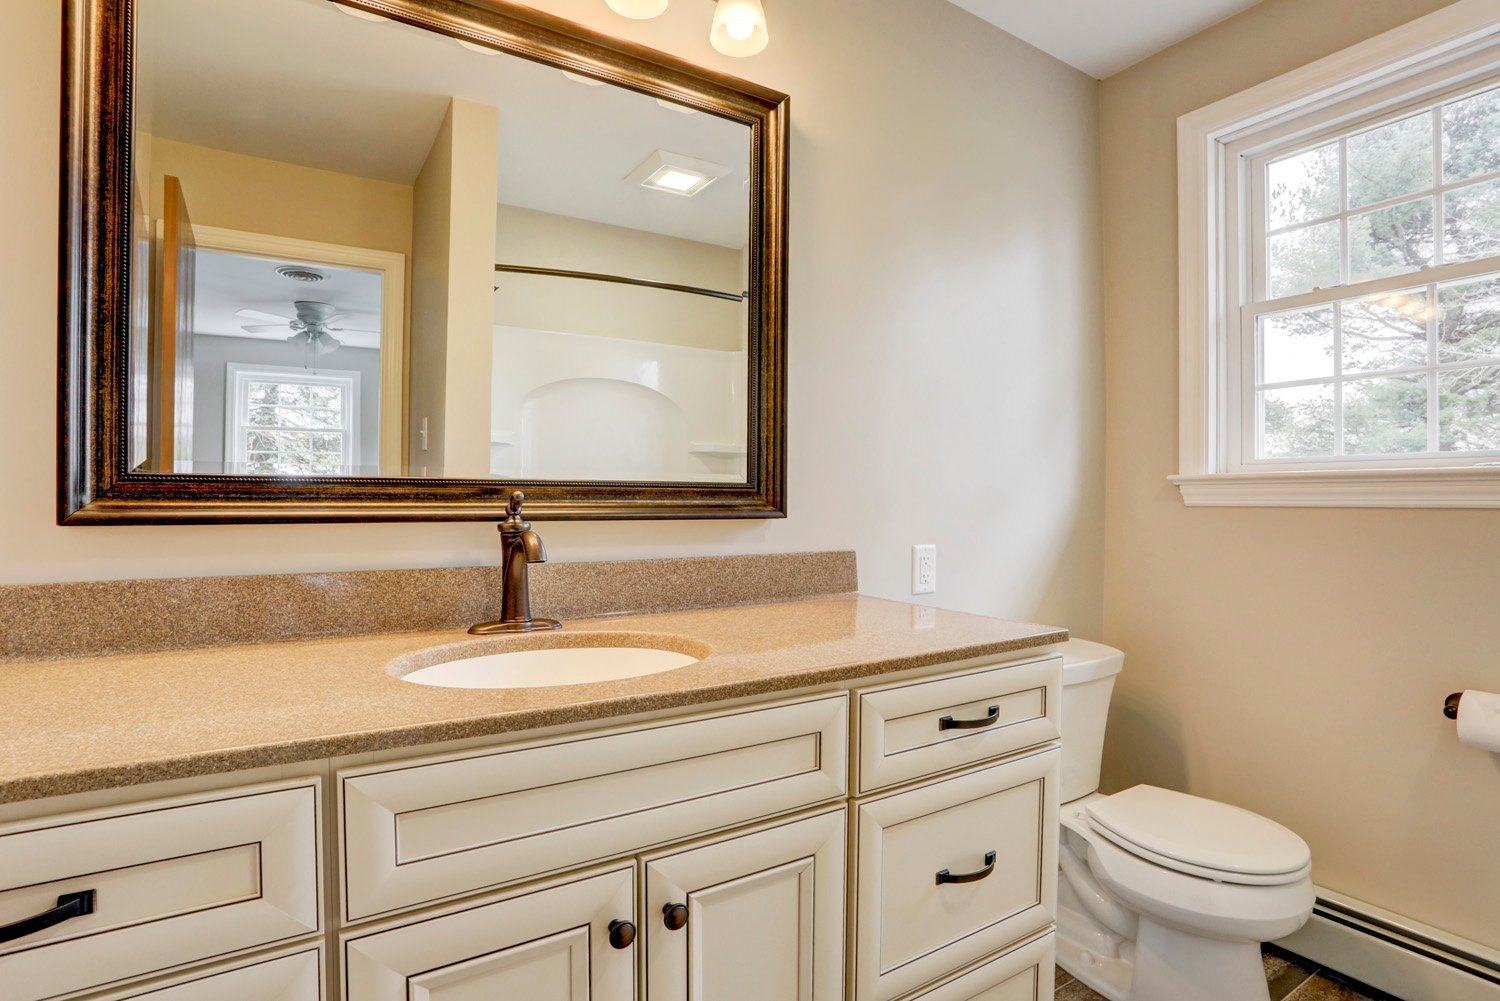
<point x="923" y="569"/>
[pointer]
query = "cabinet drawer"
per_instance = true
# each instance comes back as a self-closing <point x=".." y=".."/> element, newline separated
<point x="428" y="830"/>
<point x="1025" y="973"/>
<point x="293" y="977"/>
<point x="923" y="727"/>
<point x="952" y="871"/>
<point x="548" y="943"/>
<point x="174" y="882"/>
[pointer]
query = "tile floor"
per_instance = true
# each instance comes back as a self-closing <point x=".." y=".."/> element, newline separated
<point x="1291" y="978"/>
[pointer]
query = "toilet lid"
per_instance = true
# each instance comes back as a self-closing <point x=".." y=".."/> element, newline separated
<point x="1168" y="826"/>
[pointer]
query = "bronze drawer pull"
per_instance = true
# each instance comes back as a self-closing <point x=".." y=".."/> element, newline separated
<point x="69" y="905"/>
<point x="944" y="876"/>
<point x="949" y="723"/>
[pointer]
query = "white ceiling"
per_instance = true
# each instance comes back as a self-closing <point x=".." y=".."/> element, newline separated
<point x="225" y="283"/>
<point x="1102" y="37"/>
<point x="300" y="82"/>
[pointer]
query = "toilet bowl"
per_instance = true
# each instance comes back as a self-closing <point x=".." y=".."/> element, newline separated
<point x="1163" y="896"/>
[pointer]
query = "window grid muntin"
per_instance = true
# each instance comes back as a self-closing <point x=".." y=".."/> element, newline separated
<point x="1430" y="373"/>
<point x="1245" y="396"/>
<point x="240" y="457"/>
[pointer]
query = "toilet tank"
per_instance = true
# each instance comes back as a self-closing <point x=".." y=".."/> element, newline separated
<point x="1088" y="681"/>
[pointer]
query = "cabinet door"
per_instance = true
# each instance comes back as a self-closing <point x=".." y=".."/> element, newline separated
<point x="547" y="944"/>
<point x="951" y="871"/>
<point x="764" y="919"/>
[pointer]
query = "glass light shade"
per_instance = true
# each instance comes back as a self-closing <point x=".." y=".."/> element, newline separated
<point x="739" y="28"/>
<point x="641" y="10"/>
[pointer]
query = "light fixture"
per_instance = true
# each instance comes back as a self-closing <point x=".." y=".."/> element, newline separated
<point x="587" y="81"/>
<point x="676" y="174"/>
<point x="681" y="109"/>
<point x="739" y="28"/>
<point x="363" y="15"/>
<point x="641" y="10"/>
<point x="483" y="50"/>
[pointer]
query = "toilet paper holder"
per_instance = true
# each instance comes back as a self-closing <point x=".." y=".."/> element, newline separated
<point x="1450" y="705"/>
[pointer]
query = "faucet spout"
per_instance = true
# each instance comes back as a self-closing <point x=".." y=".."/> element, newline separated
<point x="519" y="548"/>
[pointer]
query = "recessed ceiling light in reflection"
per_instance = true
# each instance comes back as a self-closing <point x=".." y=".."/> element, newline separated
<point x="363" y="15"/>
<point x="676" y="174"/>
<point x="587" y="81"/>
<point x="681" y="109"/>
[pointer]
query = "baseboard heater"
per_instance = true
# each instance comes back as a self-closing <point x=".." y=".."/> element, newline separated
<point x="1405" y="958"/>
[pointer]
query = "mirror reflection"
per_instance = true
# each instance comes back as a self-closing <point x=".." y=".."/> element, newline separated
<point x="365" y="249"/>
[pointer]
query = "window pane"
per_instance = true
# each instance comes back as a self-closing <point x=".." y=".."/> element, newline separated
<point x="1471" y="222"/>
<point x="262" y="416"/>
<point x="1390" y="241"/>
<point x="1296" y="346"/>
<point x="1469" y="409"/>
<point x="1301" y="260"/>
<point x="1385" y="416"/>
<point x="1303" y="187"/>
<point x="1470" y="325"/>
<point x="1471" y="136"/>
<point x="1391" y="161"/>
<point x="327" y="396"/>
<point x="1386" y="331"/>
<point x="1296" y="422"/>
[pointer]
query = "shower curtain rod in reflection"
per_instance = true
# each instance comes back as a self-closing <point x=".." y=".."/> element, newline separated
<point x="521" y="269"/>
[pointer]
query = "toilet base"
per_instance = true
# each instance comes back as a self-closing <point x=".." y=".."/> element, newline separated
<point x="1162" y="964"/>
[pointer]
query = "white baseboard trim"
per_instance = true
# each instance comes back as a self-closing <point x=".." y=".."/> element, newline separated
<point x="1405" y="958"/>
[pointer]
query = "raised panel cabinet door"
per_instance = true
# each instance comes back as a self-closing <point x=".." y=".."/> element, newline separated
<point x="952" y="871"/>
<point x="168" y="883"/>
<point x="1025" y="973"/>
<point x="419" y="831"/>
<point x="749" y="917"/>
<point x="549" y="943"/>
<point x="294" y="976"/>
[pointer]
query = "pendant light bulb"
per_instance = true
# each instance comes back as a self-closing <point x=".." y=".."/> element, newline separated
<point x="739" y="28"/>
<point x="640" y="10"/>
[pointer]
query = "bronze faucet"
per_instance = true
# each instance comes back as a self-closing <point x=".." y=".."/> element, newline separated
<point x="519" y="546"/>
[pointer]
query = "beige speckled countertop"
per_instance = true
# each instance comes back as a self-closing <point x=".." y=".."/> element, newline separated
<point x="90" y="723"/>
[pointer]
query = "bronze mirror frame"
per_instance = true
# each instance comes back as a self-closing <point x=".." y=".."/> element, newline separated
<point x="95" y="483"/>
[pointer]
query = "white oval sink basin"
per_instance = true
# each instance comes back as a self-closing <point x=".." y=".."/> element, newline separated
<point x="549" y="666"/>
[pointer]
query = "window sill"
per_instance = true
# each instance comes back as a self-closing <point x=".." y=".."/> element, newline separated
<point x="1466" y="487"/>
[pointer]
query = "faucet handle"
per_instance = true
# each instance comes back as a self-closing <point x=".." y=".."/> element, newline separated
<point x="513" y="521"/>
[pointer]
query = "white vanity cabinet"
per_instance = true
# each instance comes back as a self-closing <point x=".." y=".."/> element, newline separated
<point x="168" y="883"/>
<point x="886" y="842"/>
<point x="547" y="943"/>
<point x="751" y="916"/>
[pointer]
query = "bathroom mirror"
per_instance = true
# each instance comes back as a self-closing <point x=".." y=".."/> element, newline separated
<point x="392" y="259"/>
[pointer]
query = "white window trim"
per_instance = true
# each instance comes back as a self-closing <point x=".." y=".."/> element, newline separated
<point x="239" y="375"/>
<point x="1204" y="164"/>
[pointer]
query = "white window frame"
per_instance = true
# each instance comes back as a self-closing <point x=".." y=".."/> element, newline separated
<point x="239" y="375"/>
<point x="1448" y="50"/>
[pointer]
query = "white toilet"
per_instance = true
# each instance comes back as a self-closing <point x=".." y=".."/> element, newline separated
<point x="1163" y="896"/>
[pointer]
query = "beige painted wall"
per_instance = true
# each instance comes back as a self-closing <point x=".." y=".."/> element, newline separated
<point x="573" y="306"/>
<point x="251" y="193"/>
<point x="1291" y="661"/>
<point x="453" y="237"/>
<point x="945" y="340"/>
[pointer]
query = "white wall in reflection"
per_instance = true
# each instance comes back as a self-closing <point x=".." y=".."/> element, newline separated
<point x="567" y="406"/>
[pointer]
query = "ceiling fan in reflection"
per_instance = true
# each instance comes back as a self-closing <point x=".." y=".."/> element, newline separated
<point x="311" y="327"/>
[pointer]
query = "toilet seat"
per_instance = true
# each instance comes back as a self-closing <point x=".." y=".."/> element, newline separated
<point x="1200" y="837"/>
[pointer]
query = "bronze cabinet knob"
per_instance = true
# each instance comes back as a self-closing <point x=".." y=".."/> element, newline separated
<point x="674" y="916"/>
<point x="621" y="934"/>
